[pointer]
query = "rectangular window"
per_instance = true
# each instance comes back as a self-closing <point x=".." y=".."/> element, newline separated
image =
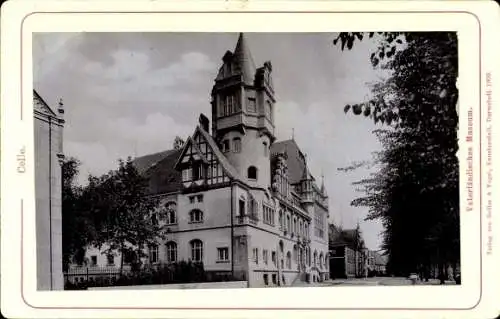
<point x="186" y="175"/>
<point x="256" y="255"/>
<point x="225" y="146"/>
<point x="264" y="256"/>
<point x="274" y="279"/>
<point x="241" y="211"/>
<point x="230" y="104"/>
<point x="93" y="260"/>
<point x="252" y="107"/>
<point x="273" y="258"/>
<point x="200" y="198"/>
<point x="237" y="144"/>
<point x="111" y="260"/>
<point x="223" y="254"/>
<point x="153" y="254"/>
<point x="191" y="199"/>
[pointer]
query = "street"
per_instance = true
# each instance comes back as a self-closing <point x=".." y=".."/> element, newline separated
<point x="371" y="281"/>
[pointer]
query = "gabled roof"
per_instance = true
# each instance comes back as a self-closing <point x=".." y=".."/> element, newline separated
<point x="41" y="106"/>
<point x="226" y="165"/>
<point x="143" y="163"/>
<point x="162" y="176"/>
<point x="296" y="161"/>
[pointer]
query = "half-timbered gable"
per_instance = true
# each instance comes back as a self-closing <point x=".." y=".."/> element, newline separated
<point x="202" y="163"/>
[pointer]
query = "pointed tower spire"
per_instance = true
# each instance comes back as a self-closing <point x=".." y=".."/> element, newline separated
<point x="244" y="61"/>
<point x="322" y="182"/>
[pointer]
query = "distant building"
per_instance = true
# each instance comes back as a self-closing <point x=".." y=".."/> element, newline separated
<point x="375" y="263"/>
<point x="238" y="200"/>
<point x="48" y="126"/>
<point x="347" y="254"/>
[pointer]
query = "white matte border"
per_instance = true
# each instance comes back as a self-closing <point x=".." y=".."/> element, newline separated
<point x="472" y="20"/>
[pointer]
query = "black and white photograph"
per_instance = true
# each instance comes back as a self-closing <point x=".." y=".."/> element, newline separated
<point x="231" y="160"/>
<point x="248" y="159"/>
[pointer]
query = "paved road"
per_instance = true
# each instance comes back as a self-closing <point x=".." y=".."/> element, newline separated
<point x="371" y="281"/>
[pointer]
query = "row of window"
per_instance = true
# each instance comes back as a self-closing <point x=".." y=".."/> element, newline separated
<point x="195" y="216"/>
<point x="293" y="226"/>
<point x="319" y="225"/>
<point x="229" y="105"/>
<point x="196" y="247"/>
<point x="235" y="146"/>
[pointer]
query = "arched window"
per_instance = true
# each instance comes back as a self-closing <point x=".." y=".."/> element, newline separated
<point x="171" y="252"/>
<point x="321" y="261"/>
<point x="196" y="216"/>
<point x="171" y="216"/>
<point x="315" y="258"/>
<point x="252" y="172"/>
<point x="308" y="256"/>
<point x="281" y="219"/>
<point x="306" y="230"/>
<point x="196" y="250"/>
<point x="295" y="254"/>
<point x="288" y="223"/>
<point x="288" y="260"/>
<point x="301" y="229"/>
<point x="237" y="144"/>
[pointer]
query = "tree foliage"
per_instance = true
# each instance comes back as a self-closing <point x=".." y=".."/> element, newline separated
<point x="113" y="211"/>
<point x="415" y="193"/>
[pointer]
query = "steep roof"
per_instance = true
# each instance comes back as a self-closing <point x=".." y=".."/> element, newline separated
<point x="295" y="161"/>
<point x="40" y="105"/>
<point x="163" y="177"/>
<point x="243" y="60"/>
<point x="221" y="157"/>
<point x="145" y="162"/>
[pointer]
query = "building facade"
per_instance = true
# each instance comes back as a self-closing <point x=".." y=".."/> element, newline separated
<point x="236" y="199"/>
<point x="48" y="135"/>
<point x="347" y="256"/>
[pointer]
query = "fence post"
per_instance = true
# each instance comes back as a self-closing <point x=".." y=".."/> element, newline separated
<point x="87" y="274"/>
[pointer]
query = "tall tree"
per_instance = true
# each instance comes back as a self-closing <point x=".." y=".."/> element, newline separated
<point x="77" y="227"/>
<point x="415" y="194"/>
<point x="128" y="218"/>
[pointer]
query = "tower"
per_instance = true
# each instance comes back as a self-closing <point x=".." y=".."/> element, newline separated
<point x="243" y="114"/>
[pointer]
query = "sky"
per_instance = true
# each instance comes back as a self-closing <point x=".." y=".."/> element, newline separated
<point x="130" y="94"/>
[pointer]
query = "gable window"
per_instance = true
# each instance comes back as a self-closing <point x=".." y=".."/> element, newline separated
<point x="223" y="254"/>
<point x="225" y="146"/>
<point x="196" y="216"/>
<point x="186" y="174"/>
<point x="196" y="250"/>
<point x="153" y="254"/>
<point x="197" y="172"/>
<point x="252" y="172"/>
<point x="237" y="144"/>
<point x="266" y="149"/>
<point x="171" y="252"/>
<point x="251" y="106"/>
<point x="171" y="217"/>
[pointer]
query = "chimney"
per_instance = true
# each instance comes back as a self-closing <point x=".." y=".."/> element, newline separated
<point x="204" y="122"/>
